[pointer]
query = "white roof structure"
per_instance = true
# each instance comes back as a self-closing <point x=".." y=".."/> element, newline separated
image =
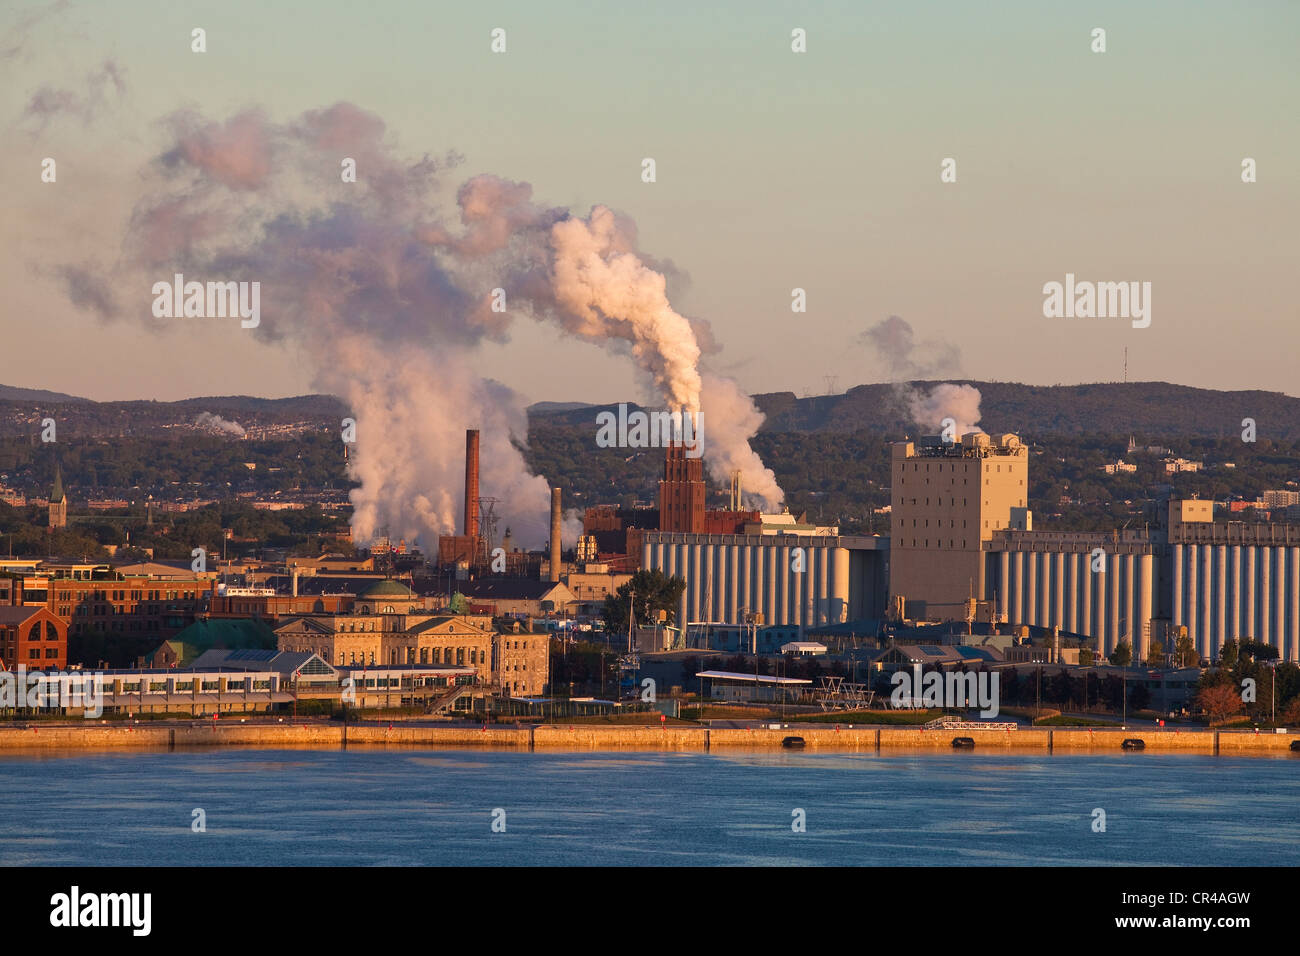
<point x="752" y="678"/>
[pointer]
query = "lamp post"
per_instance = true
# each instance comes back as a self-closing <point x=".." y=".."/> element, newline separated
<point x="1123" y="725"/>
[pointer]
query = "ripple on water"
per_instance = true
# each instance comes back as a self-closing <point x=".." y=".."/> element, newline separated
<point x="436" y="807"/>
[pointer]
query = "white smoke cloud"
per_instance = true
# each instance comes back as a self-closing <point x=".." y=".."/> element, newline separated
<point x="388" y="302"/>
<point x="729" y="419"/>
<point x="217" y="423"/>
<point x="960" y="403"/>
<point x="895" y="342"/>
<point x="606" y="292"/>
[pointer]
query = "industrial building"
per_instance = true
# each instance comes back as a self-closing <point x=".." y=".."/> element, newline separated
<point x="803" y="580"/>
<point x="948" y="499"/>
<point x="1219" y="581"/>
<point x="962" y="548"/>
<point x="1048" y="579"/>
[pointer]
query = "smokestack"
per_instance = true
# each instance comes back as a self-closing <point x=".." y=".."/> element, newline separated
<point x="555" y="535"/>
<point x="471" y="482"/>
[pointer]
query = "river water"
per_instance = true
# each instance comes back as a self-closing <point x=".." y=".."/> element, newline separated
<point x="439" y="807"/>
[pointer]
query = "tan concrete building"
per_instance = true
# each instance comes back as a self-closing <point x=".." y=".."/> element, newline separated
<point x="947" y="500"/>
<point x="514" y="662"/>
<point x="522" y="663"/>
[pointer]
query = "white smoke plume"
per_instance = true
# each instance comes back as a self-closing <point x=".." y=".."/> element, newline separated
<point x="217" y="423"/>
<point x="960" y="403"/>
<point x="906" y="360"/>
<point x="731" y="419"/>
<point x="387" y="301"/>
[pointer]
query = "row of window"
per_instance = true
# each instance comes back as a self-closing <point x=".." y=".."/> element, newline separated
<point x="34" y="654"/>
<point x="8" y="634"/>
<point x="111" y="610"/>
<point x="951" y="467"/>
<point x="121" y="595"/>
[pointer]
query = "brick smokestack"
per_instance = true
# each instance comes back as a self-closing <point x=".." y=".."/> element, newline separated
<point x="471" y="483"/>
<point x="555" y="534"/>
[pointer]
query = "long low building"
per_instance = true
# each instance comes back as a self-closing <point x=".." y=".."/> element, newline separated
<point x="233" y="681"/>
<point x="790" y="579"/>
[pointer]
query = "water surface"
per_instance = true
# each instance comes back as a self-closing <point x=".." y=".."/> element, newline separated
<point x="436" y="807"/>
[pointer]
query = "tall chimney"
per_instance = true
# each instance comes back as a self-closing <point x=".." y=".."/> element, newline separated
<point x="555" y="535"/>
<point x="471" y="482"/>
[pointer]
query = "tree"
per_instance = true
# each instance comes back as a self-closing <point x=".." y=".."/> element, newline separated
<point x="458" y="604"/>
<point x="1228" y="655"/>
<point x="654" y="592"/>
<point x="1258" y="651"/>
<point x="1185" y="653"/>
<point x="1085" y="657"/>
<point x="1219" y="702"/>
<point x="1122" y="655"/>
<point x="1155" y="654"/>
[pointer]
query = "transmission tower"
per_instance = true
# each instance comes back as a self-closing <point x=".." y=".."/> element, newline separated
<point x="487" y="530"/>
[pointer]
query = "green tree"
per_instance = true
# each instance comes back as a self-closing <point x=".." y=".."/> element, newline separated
<point x="1122" y="655"/>
<point x="1156" y="654"/>
<point x="1228" y="655"/>
<point x="651" y="591"/>
<point x="1185" y="653"/>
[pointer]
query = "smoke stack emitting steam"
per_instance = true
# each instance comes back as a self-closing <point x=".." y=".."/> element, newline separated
<point x="388" y="303"/>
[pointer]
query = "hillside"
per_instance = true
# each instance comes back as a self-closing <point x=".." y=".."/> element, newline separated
<point x="1154" y="410"/>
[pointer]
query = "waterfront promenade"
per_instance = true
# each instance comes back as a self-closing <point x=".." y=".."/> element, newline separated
<point x="820" y="737"/>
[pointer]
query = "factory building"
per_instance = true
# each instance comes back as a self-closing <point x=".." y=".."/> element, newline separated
<point x="1236" y="580"/>
<point x="948" y="499"/>
<point x="1092" y="584"/>
<point x="792" y="579"/>
<point x="1220" y="581"/>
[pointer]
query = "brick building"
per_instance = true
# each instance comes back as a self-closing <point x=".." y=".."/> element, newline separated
<point x="33" y="637"/>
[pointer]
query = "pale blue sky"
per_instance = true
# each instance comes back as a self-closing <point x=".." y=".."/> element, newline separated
<point x="775" y="170"/>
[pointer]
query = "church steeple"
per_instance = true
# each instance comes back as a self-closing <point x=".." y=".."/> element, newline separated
<point x="58" y="501"/>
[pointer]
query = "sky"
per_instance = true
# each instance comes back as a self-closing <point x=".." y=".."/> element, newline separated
<point x="775" y="170"/>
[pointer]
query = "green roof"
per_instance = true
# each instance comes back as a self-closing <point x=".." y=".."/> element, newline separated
<point x="387" y="588"/>
<point x="228" y="633"/>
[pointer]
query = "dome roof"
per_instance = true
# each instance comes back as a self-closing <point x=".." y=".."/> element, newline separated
<point x="388" y="589"/>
